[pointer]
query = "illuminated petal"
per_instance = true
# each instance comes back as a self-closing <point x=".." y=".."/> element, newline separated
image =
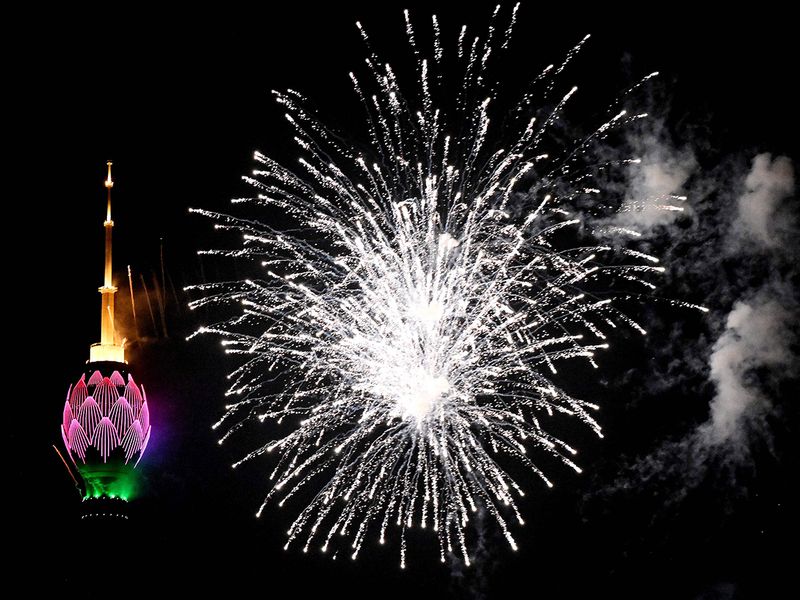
<point x="144" y="417"/>
<point x="121" y="415"/>
<point x="106" y="395"/>
<point x="132" y="442"/>
<point x="68" y="416"/>
<point x="77" y="440"/>
<point x="117" y="379"/>
<point x="79" y="394"/>
<point x="133" y="396"/>
<point x="105" y="438"/>
<point x="96" y="378"/>
<point x="89" y="416"/>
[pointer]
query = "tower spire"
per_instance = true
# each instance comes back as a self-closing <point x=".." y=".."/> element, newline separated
<point x="109" y="225"/>
<point x="108" y="349"/>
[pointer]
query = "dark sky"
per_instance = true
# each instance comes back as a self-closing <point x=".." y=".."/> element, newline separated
<point x="180" y="100"/>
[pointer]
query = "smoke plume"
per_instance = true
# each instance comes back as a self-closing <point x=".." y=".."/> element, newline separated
<point x="735" y="253"/>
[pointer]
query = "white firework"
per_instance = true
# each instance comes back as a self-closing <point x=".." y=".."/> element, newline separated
<point x="407" y="321"/>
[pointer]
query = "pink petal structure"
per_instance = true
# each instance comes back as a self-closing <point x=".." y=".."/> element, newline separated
<point x="121" y="415"/>
<point x="117" y="379"/>
<point x="67" y="417"/>
<point x="132" y="441"/>
<point x="105" y="437"/>
<point x="79" y="393"/>
<point x="144" y="418"/>
<point x="89" y="415"/>
<point x="96" y="415"/>
<point x="133" y="395"/>
<point x="105" y="394"/>
<point x="77" y="439"/>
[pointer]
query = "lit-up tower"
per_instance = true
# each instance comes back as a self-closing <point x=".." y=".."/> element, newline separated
<point x="106" y="422"/>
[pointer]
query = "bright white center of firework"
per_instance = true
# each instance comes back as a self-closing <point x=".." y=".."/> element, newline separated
<point x="427" y="312"/>
<point x="421" y="395"/>
<point x="447" y="242"/>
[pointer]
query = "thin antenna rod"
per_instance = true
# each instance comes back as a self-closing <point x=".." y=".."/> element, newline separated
<point x="133" y="301"/>
<point x="66" y="466"/>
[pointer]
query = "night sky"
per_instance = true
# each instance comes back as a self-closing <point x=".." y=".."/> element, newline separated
<point x="179" y="101"/>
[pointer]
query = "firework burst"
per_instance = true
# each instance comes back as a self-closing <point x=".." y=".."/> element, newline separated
<point x="405" y="327"/>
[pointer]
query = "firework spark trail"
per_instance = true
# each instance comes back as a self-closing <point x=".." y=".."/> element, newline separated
<point x="412" y="318"/>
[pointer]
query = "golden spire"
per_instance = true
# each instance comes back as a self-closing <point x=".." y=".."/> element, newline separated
<point x="109" y="185"/>
<point x="108" y="348"/>
<point x="108" y="224"/>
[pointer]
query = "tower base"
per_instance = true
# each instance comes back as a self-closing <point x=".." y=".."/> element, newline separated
<point x="104" y="509"/>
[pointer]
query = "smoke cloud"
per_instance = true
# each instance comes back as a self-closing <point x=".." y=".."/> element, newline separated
<point x="655" y="184"/>
<point x="736" y="254"/>
<point x="760" y="330"/>
<point x="653" y="192"/>
<point x="762" y="218"/>
<point x="758" y="335"/>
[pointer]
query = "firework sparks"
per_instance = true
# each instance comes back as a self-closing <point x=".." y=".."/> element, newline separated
<point x="407" y="325"/>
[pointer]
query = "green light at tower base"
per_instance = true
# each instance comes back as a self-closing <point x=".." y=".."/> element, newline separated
<point x="113" y="479"/>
